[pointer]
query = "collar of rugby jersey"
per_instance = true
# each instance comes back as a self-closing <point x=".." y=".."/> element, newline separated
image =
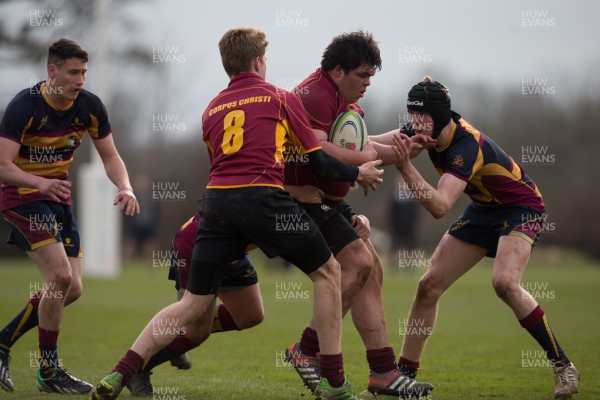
<point x="51" y="102"/>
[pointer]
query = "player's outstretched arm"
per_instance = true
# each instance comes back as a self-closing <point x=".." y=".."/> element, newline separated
<point x="383" y="144"/>
<point x="384" y="138"/>
<point x="388" y="137"/>
<point x="385" y="153"/>
<point x="351" y="157"/>
<point x="117" y="173"/>
<point x="56" y="189"/>
<point x="436" y="202"/>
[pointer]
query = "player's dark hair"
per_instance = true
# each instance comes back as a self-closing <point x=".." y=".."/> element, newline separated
<point x="63" y="49"/>
<point x="239" y="46"/>
<point x="350" y="51"/>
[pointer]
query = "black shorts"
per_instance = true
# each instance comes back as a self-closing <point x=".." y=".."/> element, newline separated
<point x="483" y="225"/>
<point x="265" y="216"/>
<point x="334" y="220"/>
<point x="240" y="273"/>
<point x="37" y="224"/>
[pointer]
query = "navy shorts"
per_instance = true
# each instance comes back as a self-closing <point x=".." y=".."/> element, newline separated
<point x="37" y="224"/>
<point x="483" y="225"/>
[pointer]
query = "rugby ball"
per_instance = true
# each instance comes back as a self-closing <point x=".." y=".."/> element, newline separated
<point x="349" y="131"/>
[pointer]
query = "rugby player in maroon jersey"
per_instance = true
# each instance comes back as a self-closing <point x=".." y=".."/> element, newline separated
<point x="245" y="128"/>
<point x="348" y="64"/>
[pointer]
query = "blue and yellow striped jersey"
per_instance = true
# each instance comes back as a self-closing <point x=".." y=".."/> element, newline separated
<point x="492" y="176"/>
<point x="48" y="135"/>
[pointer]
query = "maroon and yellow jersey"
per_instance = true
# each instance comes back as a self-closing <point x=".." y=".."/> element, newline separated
<point x="492" y="176"/>
<point x="49" y="136"/>
<point x="245" y="129"/>
<point x="319" y="96"/>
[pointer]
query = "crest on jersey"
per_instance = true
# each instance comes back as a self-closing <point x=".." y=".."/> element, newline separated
<point x="72" y="141"/>
<point x="77" y="122"/>
<point x="458" y="161"/>
<point x="43" y="122"/>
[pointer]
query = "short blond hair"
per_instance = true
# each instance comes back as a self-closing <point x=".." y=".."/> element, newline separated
<point x="239" y="46"/>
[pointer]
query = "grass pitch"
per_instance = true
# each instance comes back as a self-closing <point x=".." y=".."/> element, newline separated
<point x="477" y="351"/>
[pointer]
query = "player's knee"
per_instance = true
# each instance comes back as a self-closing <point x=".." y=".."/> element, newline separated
<point x="368" y="266"/>
<point x="330" y="271"/>
<point x="190" y="309"/>
<point x="505" y="287"/>
<point x="252" y="319"/>
<point x="196" y="308"/>
<point x="377" y="272"/>
<point x="61" y="280"/>
<point x="75" y="292"/>
<point x="428" y="291"/>
<point x="334" y="271"/>
<point x="364" y="269"/>
<point x="358" y="261"/>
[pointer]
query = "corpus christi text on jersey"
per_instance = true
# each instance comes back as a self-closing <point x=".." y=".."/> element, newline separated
<point x="247" y="100"/>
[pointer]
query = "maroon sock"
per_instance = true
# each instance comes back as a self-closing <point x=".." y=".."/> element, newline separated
<point x="381" y="360"/>
<point x="332" y="368"/>
<point x="34" y="300"/>
<point x="223" y="316"/>
<point x="180" y="345"/>
<point x="534" y="318"/>
<point x="129" y="365"/>
<point x="48" y="357"/>
<point x="47" y="337"/>
<point x="410" y="364"/>
<point x="309" y="342"/>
